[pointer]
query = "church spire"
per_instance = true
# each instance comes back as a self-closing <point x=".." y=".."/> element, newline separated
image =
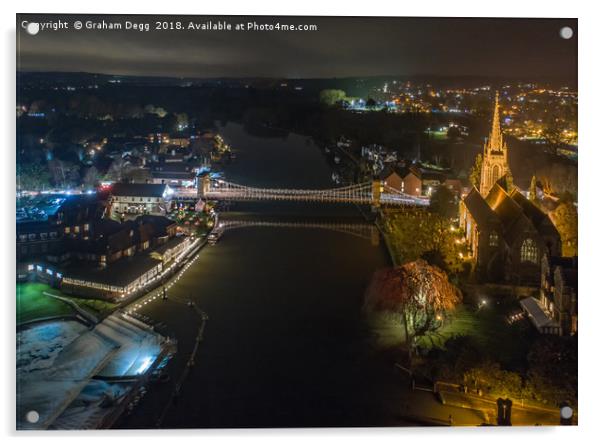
<point x="495" y="157"/>
<point x="495" y="142"/>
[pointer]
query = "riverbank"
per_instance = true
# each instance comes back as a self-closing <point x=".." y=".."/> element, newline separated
<point x="42" y="309"/>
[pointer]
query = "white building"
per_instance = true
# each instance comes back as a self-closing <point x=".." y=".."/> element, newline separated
<point x="136" y="199"/>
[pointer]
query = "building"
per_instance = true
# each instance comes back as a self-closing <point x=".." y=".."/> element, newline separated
<point x="170" y="250"/>
<point x="136" y="199"/>
<point x="114" y="282"/>
<point x="558" y="292"/>
<point x="392" y="177"/>
<point x="39" y="240"/>
<point x="507" y="234"/>
<point x="174" y="174"/>
<point x="77" y="249"/>
<point x="116" y="259"/>
<point x="415" y="180"/>
<point x="495" y="154"/>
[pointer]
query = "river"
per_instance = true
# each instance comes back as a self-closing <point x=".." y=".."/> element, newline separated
<point x="285" y="344"/>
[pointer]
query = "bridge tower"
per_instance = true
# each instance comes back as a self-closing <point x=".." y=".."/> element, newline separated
<point x="204" y="186"/>
<point x="377" y="189"/>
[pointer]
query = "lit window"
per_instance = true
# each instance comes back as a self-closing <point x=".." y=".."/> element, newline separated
<point x="59" y="275"/>
<point x="493" y="239"/>
<point x="39" y="268"/>
<point x="67" y="229"/>
<point x="49" y="272"/>
<point x="30" y="267"/>
<point x="528" y="251"/>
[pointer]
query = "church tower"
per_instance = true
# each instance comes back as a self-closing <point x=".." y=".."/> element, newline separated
<point x="495" y="156"/>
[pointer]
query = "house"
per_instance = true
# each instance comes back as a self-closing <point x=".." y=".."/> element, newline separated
<point x="37" y="240"/>
<point x="170" y="250"/>
<point x="174" y="174"/>
<point x="392" y="177"/>
<point x="415" y="180"/>
<point x="558" y="292"/>
<point x="117" y="258"/>
<point x="136" y="199"/>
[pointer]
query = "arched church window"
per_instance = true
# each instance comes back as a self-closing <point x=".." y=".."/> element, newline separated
<point x="496" y="173"/>
<point x="493" y="239"/>
<point x="528" y="251"/>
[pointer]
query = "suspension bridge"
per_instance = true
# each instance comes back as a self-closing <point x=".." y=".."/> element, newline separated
<point x="373" y="193"/>
<point x="361" y="230"/>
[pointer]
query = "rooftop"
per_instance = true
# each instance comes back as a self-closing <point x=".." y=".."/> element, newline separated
<point x="169" y="244"/>
<point x="143" y="190"/>
<point x="121" y="273"/>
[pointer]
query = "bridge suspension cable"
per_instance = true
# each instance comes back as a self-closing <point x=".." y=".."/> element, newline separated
<point x="363" y="193"/>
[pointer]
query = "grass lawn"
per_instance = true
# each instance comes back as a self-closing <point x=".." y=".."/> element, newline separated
<point x="438" y="135"/>
<point x="486" y="326"/>
<point x="32" y="304"/>
<point x="97" y="307"/>
<point x="388" y="331"/>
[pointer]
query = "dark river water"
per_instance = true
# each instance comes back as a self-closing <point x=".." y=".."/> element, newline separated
<point x="285" y="344"/>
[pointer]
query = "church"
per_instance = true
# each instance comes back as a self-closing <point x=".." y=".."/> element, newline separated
<point x="507" y="234"/>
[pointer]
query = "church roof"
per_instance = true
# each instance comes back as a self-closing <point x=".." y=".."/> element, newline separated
<point x="504" y="206"/>
<point x="510" y="213"/>
<point x="533" y="212"/>
<point x="540" y="219"/>
<point x="504" y="183"/>
<point x="479" y="209"/>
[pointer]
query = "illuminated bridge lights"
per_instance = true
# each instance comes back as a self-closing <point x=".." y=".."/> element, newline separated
<point x="358" y="194"/>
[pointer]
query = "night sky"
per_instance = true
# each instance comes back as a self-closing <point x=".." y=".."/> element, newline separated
<point x="342" y="47"/>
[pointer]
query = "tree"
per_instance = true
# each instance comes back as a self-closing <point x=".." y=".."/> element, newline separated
<point x="420" y="294"/>
<point x="117" y="170"/>
<point x="475" y="171"/>
<point x="158" y="111"/>
<point x="181" y="121"/>
<point x="415" y="233"/>
<point x="565" y="218"/>
<point x="91" y="178"/>
<point x="453" y="132"/>
<point x="64" y="174"/>
<point x="332" y="97"/>
<point x="490" y="377"/>
<point x="32" y="177"/>
<point x="552" y="133"/>
<point x="443" y="202"/>
<point x="533" y="190"/>
<point x="553" y="369"/>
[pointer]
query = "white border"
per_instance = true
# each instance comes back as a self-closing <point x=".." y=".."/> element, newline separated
<point x="590" y="192"/>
